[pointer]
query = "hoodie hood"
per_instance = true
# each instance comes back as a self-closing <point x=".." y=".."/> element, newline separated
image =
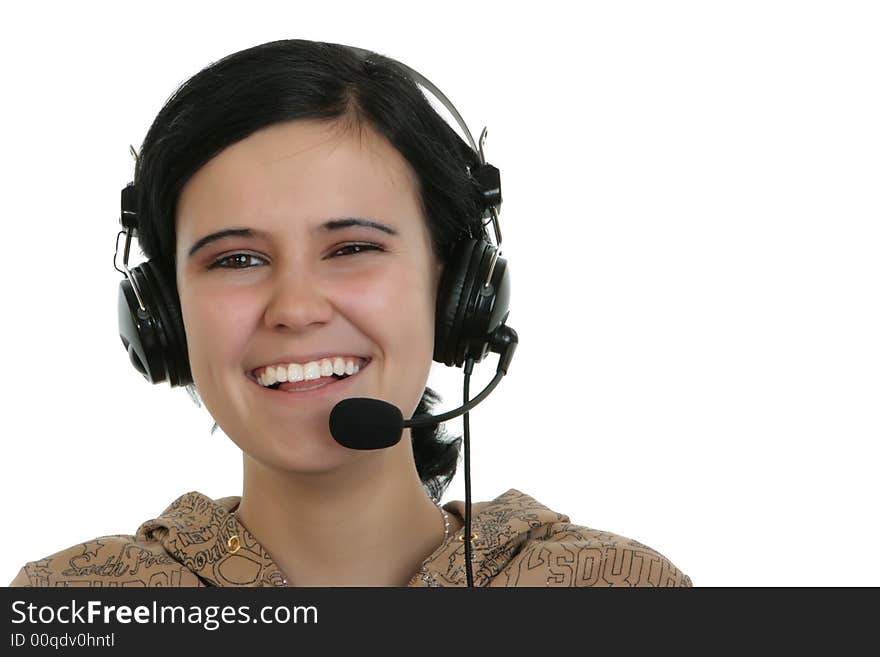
<point x="198" y="541"/>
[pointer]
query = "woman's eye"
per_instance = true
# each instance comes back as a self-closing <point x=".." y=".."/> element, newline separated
<point x="236" y="261"/>
<point x="352" y="249"/>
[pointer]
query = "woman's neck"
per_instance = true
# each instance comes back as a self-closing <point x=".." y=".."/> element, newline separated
<point x="368" y="526"/>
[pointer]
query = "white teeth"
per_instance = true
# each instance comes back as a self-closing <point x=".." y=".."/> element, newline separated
<point x="312" y="371"/>
<point x="295" y="372"/>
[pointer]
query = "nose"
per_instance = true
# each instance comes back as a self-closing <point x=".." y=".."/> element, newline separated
<point x="297" y="302"/>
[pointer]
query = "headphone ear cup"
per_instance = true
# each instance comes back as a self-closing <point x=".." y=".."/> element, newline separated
<point x="168" y="309"/>
<point x="452" y="296"/>
<point x="448" y="300"/>
<point x="486" y="306"/>
<point x="138" y="330"/>
<point x="468" y="310"/>
<point x="153" y="336"/>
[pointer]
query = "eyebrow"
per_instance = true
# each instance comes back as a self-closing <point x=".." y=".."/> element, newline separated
<point x="327" y="226"/>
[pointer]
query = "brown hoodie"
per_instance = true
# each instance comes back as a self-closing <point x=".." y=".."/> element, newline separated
<point x="517" y="541"/>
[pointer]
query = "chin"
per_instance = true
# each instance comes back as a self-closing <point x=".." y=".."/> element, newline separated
<point x="308" y="453"/>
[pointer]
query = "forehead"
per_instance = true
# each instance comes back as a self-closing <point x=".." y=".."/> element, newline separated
<point x="300" y="174"/>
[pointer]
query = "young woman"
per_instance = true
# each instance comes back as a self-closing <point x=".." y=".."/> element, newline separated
<point x="302" y="201"/>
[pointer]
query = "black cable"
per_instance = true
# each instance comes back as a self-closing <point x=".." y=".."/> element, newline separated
<point x="468" y="368"/>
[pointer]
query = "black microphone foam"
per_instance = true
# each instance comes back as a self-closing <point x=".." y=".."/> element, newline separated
<point x="361" y="423"/>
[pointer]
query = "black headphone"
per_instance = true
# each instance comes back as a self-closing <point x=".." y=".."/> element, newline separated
<point x="472" y="300"/>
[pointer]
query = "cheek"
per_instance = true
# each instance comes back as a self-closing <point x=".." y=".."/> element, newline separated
<point x="396" y="306"/>
<point x="215" y="323"/>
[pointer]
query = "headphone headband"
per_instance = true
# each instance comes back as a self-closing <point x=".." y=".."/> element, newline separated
<point x="425" y="82"/>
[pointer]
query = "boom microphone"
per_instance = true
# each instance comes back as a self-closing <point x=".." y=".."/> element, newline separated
<point x="364" y="423"/>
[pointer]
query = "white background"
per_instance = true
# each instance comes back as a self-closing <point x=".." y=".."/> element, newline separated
<point x="691" y="223"/>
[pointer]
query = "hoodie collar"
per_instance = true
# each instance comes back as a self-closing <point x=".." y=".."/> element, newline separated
<point x="204" y="536"/>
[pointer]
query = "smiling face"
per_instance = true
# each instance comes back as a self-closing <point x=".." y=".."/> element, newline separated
<point x="304" y="241"/>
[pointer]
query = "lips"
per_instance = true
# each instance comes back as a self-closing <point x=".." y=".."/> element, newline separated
<point x="309" y="371"/>
<point x="300" y="389"/>
<point x="303" y="386"/>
